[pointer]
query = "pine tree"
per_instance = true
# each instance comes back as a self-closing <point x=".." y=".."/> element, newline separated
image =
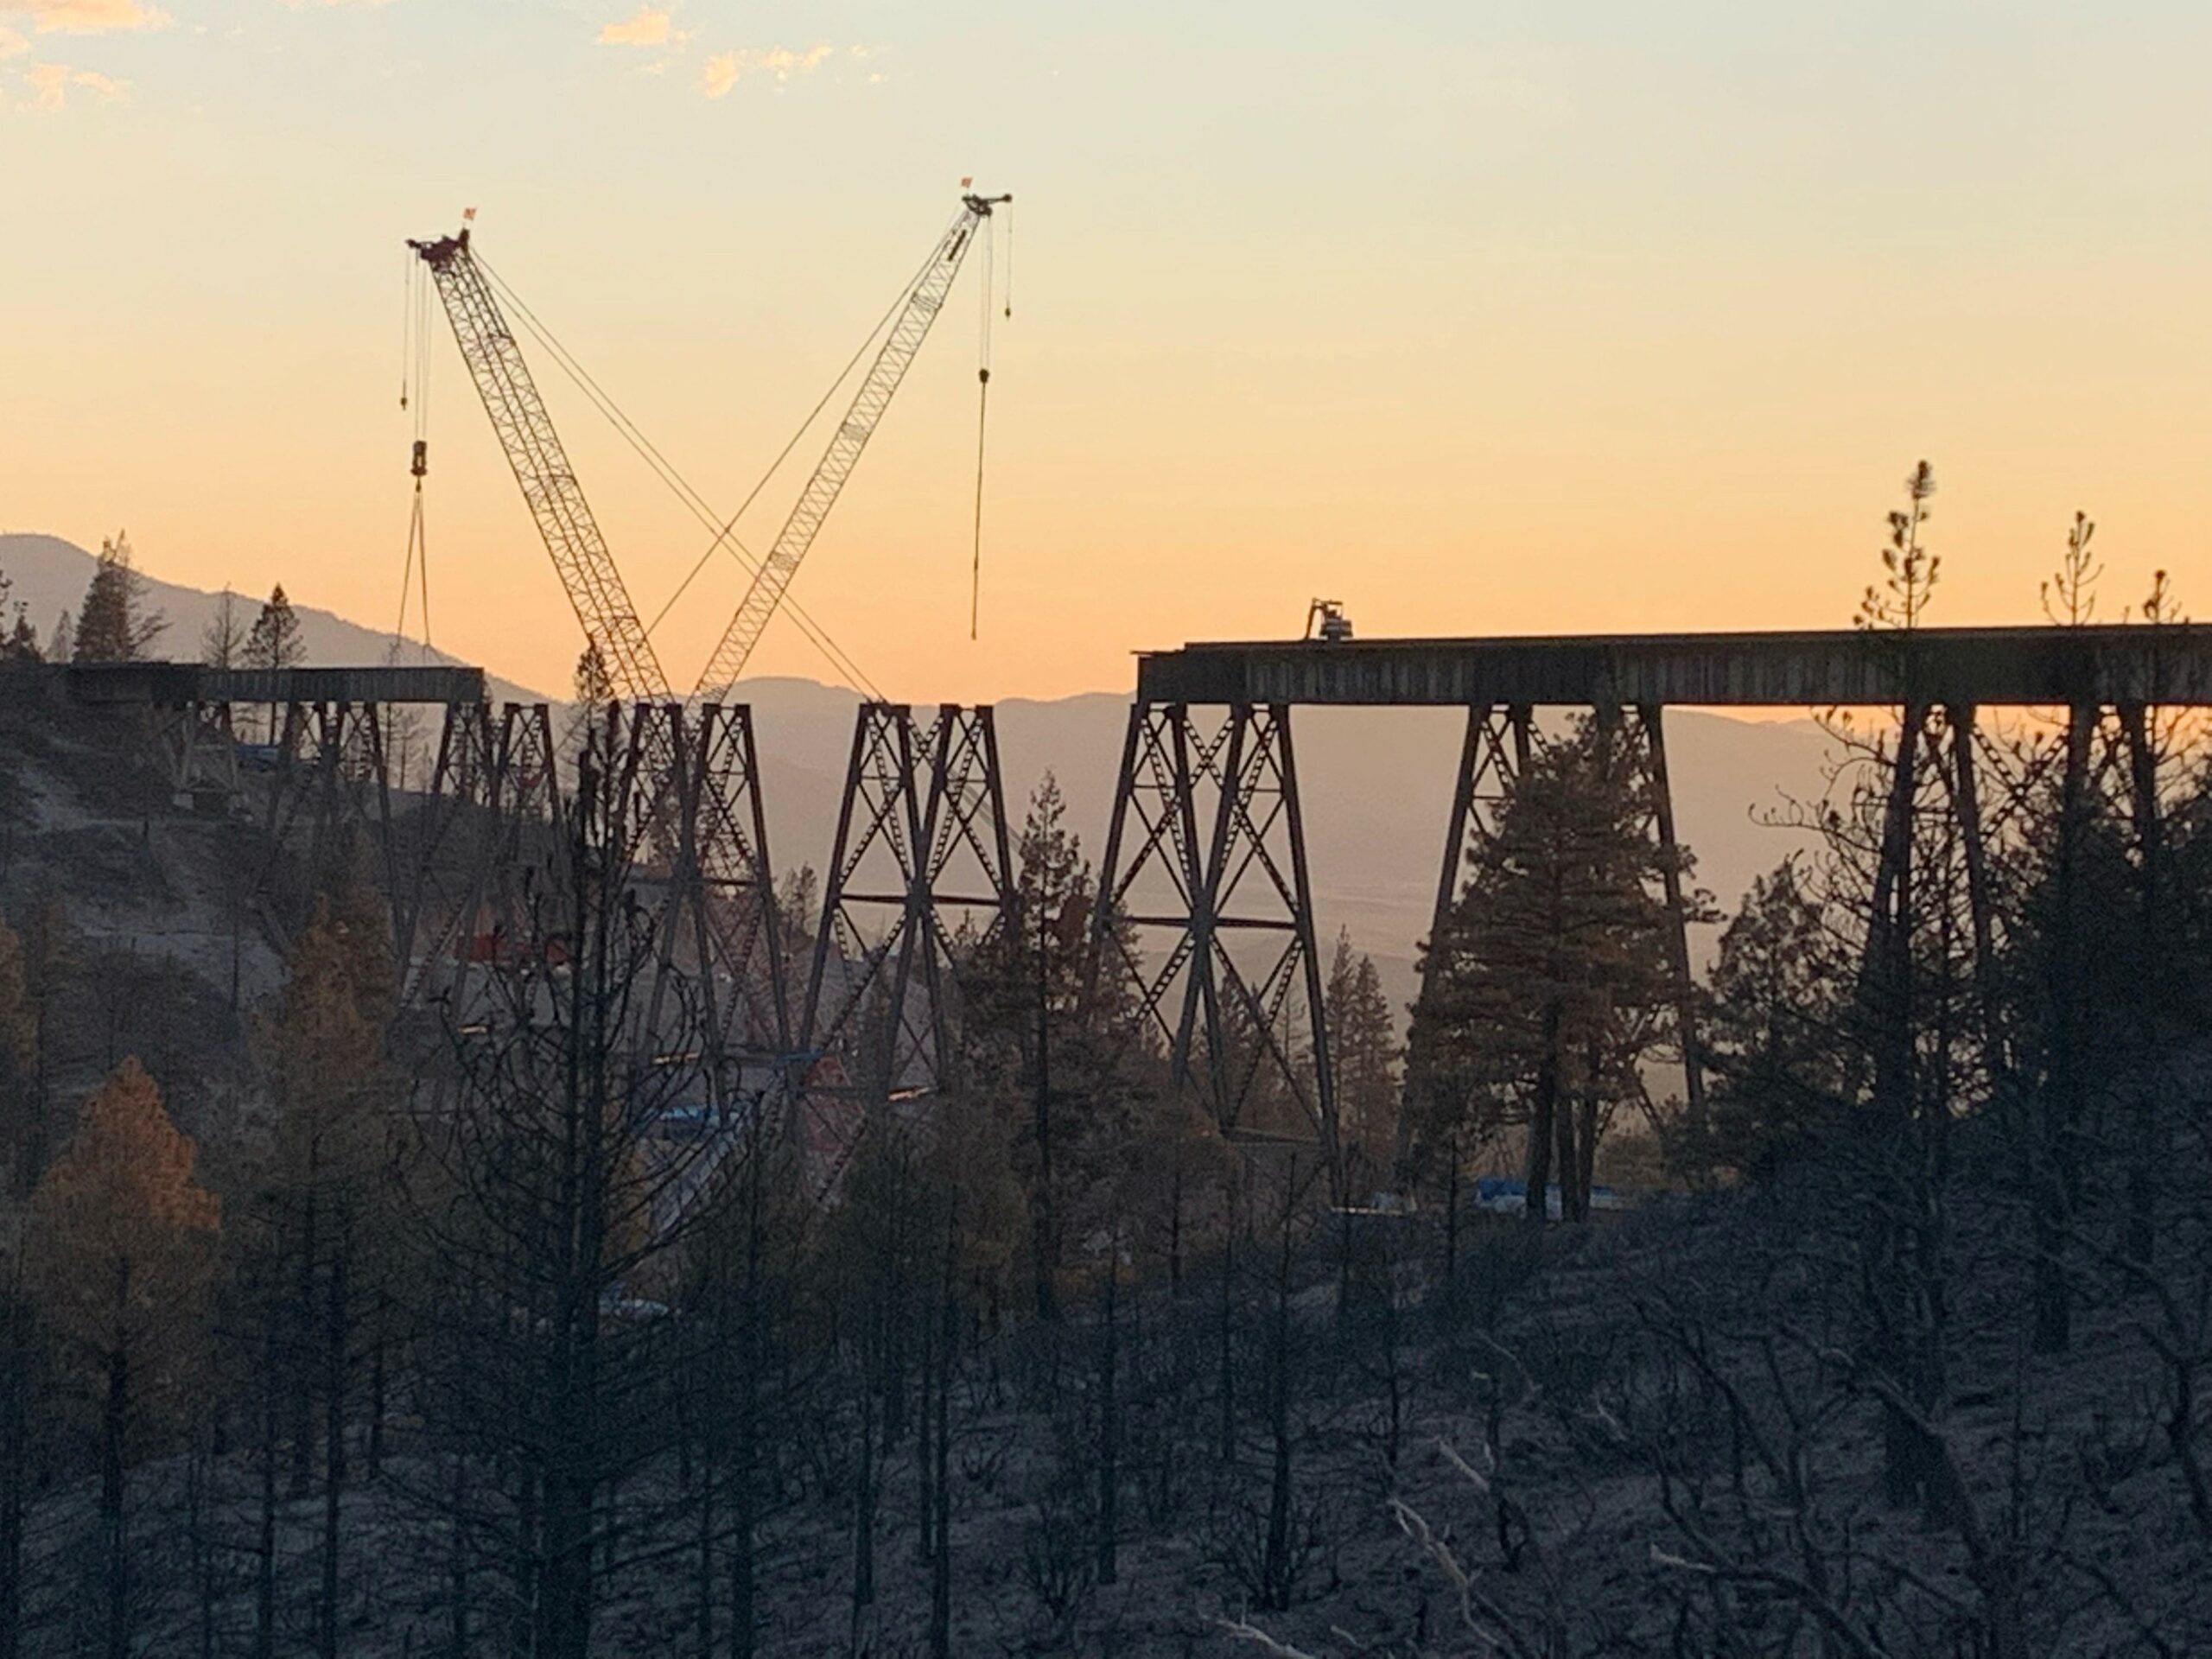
<point x="1024" y="1040"/>
<point x="1554" y="979"/>
<point x="22" y="639"/>
<point x="554" y="1198"/>
<point x="592" y="686"/>
<point x="327" y="1200"/>
<point x="1775" y="1037"/>
<point x="1362" y="1046"/>
<point x="61" y="644"/>
<point x="274" y="639"/>
<point x="122" y="1254"/>
<point x="591" y="690"/>
<point x="1893" y="879"/>
<point x="273" y="642"/>
<point x="113" y="625"/>
<point x="19" y="1392"/>
<point x="48" y="958"/>
<point x="20" y="644"/>
<point x="330" y="1192"/>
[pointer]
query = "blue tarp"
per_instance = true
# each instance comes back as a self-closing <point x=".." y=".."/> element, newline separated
<point x="1509" y="1194"/>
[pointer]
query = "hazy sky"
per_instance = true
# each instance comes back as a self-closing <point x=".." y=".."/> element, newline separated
<point x="1581" y="314"/>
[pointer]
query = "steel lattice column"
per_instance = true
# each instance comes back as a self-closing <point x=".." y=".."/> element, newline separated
<point x="1493" y="753"/>
<point x="198" y="748"/>
<point x="1154" y="873"/>
<point x="686" y="799"/>
<point x="476" y="846"/>
<point x="1652" y="718"/>
<point x="735" y="892"/>
<point x="1235" y="920"/>
<point x="331" y="782"/>
<point x="921" y="838"/>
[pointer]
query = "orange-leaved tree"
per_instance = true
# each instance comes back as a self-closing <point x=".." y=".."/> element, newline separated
<point x="120" y="1256"/>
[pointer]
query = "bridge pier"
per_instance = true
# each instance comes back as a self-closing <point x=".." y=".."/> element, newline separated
<point x="491" y="815"/>
<point x="739" y="929"/>
<point x="683" y="790"/>
<point x="1231" y="920"/>
<point x="921" y="838"/>
<point x="1652" y="718"/>
<point x="1494" y="751"/>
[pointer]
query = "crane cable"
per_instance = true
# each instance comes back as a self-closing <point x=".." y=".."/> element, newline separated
<point x="982" y="416"/>
<point x="725" y="533"/>
<point x="414" y="368"/>
<point x="983" y="409"/>
<point x="840" y="661"/>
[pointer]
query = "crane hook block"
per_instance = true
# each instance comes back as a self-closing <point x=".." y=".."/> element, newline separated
<point x="422" y="463"/>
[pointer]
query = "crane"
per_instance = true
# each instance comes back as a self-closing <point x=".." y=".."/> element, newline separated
<point x="773" y="578"/>
<point x="541" y="466"/>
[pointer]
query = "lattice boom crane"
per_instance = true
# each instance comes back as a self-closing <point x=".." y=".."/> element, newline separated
<point x="541" y="467"/>
<point x="774" y="579"/>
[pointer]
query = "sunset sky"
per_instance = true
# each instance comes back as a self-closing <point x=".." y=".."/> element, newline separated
<point x="1547" y="316"/>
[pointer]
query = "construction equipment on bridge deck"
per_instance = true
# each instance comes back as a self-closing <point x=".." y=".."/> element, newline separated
<point x="1325" y="620"/>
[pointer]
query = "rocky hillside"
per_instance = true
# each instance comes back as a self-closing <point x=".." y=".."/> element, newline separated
<point x="164" y="950"/>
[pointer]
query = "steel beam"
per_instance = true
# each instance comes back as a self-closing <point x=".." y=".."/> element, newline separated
<point x="2168" y="664"/>
<point x="176" y="684"/>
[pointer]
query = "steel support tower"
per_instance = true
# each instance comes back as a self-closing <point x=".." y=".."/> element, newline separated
<point x="919" y="879"/>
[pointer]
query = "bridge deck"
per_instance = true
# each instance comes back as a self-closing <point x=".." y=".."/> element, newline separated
<point x="174" y="684"/>
<point x="2027" y="666"/>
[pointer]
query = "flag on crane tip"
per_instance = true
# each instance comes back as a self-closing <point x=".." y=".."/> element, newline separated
<point x="965" y="184"/>
<point x="467" y="214"/>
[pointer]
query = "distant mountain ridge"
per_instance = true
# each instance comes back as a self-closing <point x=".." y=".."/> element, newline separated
<point x="1377" y="783"/>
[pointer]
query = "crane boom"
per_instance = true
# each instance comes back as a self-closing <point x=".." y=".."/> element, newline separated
<point x="773" y="578"/>
<point x="541" y="467"/>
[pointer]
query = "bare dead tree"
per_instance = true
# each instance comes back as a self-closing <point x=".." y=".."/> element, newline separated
<point x="552" y="1234"/>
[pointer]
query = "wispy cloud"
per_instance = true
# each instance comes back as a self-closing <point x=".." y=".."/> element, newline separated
<point x="725" y="69"/>
<point x="85" y="16"/>
<point x="50" y="84"/>
<point x="318" y="6"/>
<point x="651" y="27"/>
<point x="12" y="45"/>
